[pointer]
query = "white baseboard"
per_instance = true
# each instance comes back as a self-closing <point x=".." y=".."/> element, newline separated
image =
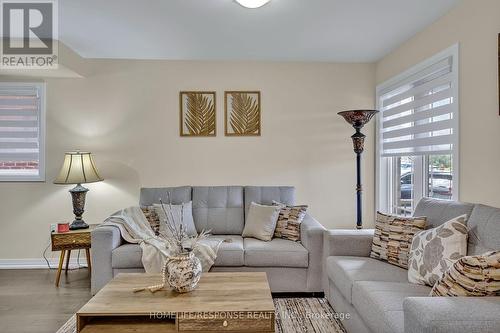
<point x="40" y="263"/>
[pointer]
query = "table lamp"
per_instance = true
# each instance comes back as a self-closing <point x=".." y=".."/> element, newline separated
<point x="78" y="167"/>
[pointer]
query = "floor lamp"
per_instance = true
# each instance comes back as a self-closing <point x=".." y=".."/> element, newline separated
<point x="358" y="119"/>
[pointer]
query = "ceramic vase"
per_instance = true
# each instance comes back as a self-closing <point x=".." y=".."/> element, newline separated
<point x="183" y="272"/>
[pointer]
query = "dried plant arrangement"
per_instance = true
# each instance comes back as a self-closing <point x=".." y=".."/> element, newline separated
<point x="178" y="240"/>
<point x="182" y="269"/>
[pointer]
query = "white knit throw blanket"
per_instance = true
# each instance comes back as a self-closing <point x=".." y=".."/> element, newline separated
<point x="135" y="228"/>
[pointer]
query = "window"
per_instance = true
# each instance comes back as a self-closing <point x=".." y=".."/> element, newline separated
<point x="22" y="119"/>
<point x="417" y="134"/>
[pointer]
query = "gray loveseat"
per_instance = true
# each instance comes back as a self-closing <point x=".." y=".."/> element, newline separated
<point x="378" y="295"/>
<point x="290" y="266"/>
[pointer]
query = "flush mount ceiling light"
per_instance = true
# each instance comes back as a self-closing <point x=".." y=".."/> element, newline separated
<point x="252" y="3"/>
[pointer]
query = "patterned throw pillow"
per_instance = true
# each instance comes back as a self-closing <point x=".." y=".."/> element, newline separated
<point x="153" y="218"/>
<point x="471" y="276"/>
<point x="435" y="250"/>
<point x="289" y="220"/>
<point x="393" y="236"/>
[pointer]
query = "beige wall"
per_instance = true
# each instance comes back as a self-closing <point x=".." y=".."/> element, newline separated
<point x="126" y="113"/>
<point x="475" y="26"/>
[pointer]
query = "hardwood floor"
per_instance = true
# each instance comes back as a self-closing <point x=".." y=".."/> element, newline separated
<point x="30" y="302"/>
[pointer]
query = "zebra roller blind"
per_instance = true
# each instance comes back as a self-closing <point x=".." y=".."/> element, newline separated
<point x="419" y="114"/>
<point x="21" y="137"/>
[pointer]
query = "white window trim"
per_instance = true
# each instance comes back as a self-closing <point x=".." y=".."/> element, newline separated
<point x="41" y="163"/>
<point x="382" y="203"/>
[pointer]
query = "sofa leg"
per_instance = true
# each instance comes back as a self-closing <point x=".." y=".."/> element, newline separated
<point x="299" y="295"/>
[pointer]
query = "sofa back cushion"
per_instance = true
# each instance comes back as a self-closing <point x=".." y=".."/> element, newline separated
<point x="265" y="195"/>
<point x="178" y="195"/>
<point x="484" y="230"/>
<point x="440" y="211"/>
<point x="218" y="209"/>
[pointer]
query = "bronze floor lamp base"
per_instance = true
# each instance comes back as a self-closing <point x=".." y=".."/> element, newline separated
<point x="358" y="119"/>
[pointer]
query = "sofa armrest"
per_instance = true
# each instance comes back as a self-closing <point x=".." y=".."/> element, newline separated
<point x="311" y="236"/>
<point x="348" y="242"/>
<point x="451" y="314"/>
<point x="104" y="240"/>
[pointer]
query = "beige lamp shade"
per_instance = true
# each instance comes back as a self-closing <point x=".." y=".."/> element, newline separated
<point x="78" y="168"/>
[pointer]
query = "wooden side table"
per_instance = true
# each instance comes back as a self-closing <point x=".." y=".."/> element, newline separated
<point x="71" y="240"/>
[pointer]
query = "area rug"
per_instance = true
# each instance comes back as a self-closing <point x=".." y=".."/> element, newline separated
<point x="293" y="315"/>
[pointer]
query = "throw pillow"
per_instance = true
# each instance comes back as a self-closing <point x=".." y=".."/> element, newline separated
<point x="153" y="218"/>
<point x="184" y="211"/>
<point x="289" y="220"/>
<point x="261" y="221"/>
<point x="433" y="251"/>
<point x="393" y="236"/>
<point x="471" y="276"/>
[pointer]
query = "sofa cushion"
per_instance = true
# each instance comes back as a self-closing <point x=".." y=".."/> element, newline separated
<point x="433" y="251"/>
<point x="152" y="216"/>
<point x="289" y="221"/>
<point x="393" y="236"/>
<point x="230" y="253"/>
<point x="218" y="209"/>
<point x="276" y="253"/>
<point x="484" y="230"/>
<point x="127" y="256"/>
<point x="439" y="211"/>
<point x="471" y="276"/>
<point x="381" y="303"/>
<point x="265" y="195"/>
<point x="261" y="221"/>
<point x="178" y="195"/>
<point x="343" y="271"/>
<point x="176" y="214"/>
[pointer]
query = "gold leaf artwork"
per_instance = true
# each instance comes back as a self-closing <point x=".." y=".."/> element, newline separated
<point x="242" y="113"/>
<point x="197" y="113"/>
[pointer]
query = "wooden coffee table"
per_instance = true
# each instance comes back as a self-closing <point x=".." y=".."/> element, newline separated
<point x="222" y="302"/>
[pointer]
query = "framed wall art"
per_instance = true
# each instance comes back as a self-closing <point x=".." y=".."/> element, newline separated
<point x="242" y="113"/>
<point x="197" y="113"/>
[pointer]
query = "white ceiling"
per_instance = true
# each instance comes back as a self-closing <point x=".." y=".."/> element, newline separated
<point x="302" y="30"/>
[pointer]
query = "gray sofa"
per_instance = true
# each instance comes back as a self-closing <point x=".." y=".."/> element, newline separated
<point x="290" y="266"/>
<point x="378" y="295"/>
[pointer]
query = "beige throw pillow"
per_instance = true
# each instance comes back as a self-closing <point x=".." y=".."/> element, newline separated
<point x="175" y="210"/>
<point x="289" y="220"/>
<point x="435" y="250"/>
<point x="471" y="276"/>
<point x="393" y="236"/>
<point x="261" y="221"/>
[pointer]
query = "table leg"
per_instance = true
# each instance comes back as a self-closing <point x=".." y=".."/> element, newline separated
<point x="67" y="260"/>
<point x="89" y="261"/>
<point x="59" y="269"/>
